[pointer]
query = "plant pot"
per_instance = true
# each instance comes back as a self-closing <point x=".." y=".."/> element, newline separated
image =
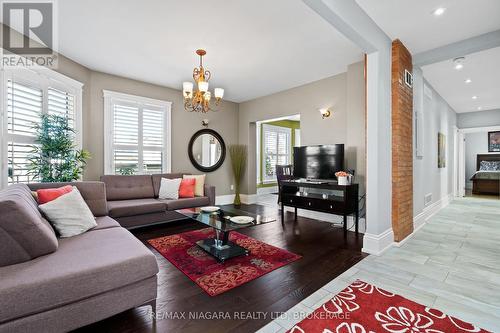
<point x="343" y="180"/>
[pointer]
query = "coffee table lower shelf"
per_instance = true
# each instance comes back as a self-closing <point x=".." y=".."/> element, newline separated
<point x="221" y="251"/>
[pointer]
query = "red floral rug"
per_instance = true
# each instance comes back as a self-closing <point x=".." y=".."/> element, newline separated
<point x="363" y="308"/>
<point x="213" y="277"/>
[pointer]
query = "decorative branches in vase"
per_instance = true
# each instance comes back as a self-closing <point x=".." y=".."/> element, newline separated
<point x="55" y="158"/>
<point x="238" y="154"/>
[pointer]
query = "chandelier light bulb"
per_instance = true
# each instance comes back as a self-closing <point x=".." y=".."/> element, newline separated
<point x="219" y="93"/>
<point x="207" y="96"/>
<point x="187" y="87"/>
<point x="203" y="86"/>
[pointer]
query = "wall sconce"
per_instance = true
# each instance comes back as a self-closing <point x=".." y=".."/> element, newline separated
<point x="325" y="113"/>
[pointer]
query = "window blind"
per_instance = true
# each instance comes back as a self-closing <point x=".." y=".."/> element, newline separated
<point x="138" y="138"/>
<point x="28" y="97"/>
<point x="62" y="104"/>
<point x="276" y="149"/>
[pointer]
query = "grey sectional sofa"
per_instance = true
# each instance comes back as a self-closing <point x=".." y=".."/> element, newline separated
<point x="56" y="285"/>
<point x="133" y="200"/>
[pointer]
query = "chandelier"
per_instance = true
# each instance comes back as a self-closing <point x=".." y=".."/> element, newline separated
<point x="199" y="100"/>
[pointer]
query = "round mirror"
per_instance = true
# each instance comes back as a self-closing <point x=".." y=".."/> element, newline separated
<point x="207" y="150"/>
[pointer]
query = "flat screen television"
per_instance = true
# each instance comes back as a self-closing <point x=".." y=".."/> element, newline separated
<point x="318" y="162"/>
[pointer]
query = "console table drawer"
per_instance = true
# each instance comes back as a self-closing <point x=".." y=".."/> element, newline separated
<point x="329" y="206"/>
<point x="300" y="202"/>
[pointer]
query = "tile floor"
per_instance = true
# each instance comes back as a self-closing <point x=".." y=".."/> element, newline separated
<point x="452" y="264"/>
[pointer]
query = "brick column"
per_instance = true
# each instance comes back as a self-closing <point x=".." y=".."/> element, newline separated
<point x="402" y="143"/>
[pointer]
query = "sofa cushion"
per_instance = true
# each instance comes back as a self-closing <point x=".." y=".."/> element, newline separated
<point x="186" y="189"/>
<point x="105" y="222"/>
<point x="24" y="233"/>
<point x="199" y="186"/>
<point x="69" y="214"/>
<point x="94" y="194"/>
<point x="169" y="188"/>
<point x="85" y="265"/>
<point x="128" y="187"/>
<point x="156" y="178"/>
<point x="187" y="203"/>
<point x="45" y="195"/>
<point x="135" y="207"/>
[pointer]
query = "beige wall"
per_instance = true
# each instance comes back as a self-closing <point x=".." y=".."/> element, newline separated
<point x="344" y="94"/>
<point x="184" y="124"/>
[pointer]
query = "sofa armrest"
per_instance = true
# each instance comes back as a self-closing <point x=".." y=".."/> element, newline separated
<point x="94" y="194"/>
<point x="209" y="192"/>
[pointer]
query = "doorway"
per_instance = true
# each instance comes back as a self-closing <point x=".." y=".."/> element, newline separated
<point x="276" y="139"/>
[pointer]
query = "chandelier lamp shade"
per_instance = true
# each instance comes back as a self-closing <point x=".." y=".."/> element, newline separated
<point x="199" y="98"/>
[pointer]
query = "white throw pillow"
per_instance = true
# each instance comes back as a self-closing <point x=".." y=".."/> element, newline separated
<point x="69" y="214"/>
<point x="169" y="188"/>
<point x="199" y="187"/>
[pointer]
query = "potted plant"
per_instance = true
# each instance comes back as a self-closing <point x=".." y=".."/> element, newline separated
<point x="238" y="154"/>
<point x="343" y="178"/>
<point x="55" y="157"/>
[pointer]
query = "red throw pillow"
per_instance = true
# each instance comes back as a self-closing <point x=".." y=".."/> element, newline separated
<point x="48" y="194"/>
<point x="186" y="190"/>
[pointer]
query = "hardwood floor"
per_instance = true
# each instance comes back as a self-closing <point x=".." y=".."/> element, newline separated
<point x="326" y="254"/>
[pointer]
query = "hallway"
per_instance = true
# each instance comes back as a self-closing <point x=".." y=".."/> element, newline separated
<point x="451" y="264"/>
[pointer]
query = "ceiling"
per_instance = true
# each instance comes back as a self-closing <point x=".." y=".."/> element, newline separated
<point x="254" y="48"/>
<point x="482" y="68"/>
<point x="413" y="23"/>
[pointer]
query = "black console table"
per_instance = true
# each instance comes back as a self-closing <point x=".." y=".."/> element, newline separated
<point x="325" y="197"/>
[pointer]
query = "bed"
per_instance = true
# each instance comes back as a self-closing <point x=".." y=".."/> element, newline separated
<point x="486" y="180"/>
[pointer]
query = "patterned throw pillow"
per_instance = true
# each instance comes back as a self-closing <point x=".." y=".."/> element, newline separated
<point x="489" y="166"/>
<point x="169" y="188"/>
<point x="69" y="214"/>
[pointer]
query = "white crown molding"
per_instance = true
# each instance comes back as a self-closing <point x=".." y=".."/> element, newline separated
<point x="134" y="98"/>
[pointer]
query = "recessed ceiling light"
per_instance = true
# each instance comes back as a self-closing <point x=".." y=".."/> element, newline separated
<point x="468" y="81"/>
<point x="459" y="63"/>
<point x="474" y="97"/>
<point x="439" y="11"/>
<point x="479" y="108"/>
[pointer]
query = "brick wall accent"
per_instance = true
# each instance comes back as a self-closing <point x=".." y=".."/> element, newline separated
<point x="402" y="143"/>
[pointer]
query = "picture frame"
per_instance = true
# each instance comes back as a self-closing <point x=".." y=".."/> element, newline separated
<point x="441" y="150"/>
<point x="494" y="142"/>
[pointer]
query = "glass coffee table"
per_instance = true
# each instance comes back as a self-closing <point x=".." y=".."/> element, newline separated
<point x="221" y="247"/>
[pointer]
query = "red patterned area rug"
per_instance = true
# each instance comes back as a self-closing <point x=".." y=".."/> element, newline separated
<point x="364" y="308"/>
<point x="213" y="277"/>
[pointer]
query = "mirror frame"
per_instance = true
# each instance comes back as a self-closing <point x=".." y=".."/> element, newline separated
<point x="222" y="155"/>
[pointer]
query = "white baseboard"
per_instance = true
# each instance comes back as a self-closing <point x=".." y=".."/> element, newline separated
<point x="376" y="244"/>
<point x="228" y="199"/>
<point x="224" y="199"/>
<point x="248" y="199"/>
<point x="267" y="190"/>
<point x="421" y="219"/>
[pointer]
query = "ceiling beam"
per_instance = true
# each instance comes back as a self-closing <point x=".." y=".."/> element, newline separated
<point x="353" y="22"/>
<point x="458" y="49"/>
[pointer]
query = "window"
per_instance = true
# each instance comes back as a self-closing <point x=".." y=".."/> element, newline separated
<point x="26" y="95"/>
<point x="136" y="134"/>
<point x="276" y="150"/>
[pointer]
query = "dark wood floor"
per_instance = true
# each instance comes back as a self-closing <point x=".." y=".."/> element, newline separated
<point x="326" y="254"/>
